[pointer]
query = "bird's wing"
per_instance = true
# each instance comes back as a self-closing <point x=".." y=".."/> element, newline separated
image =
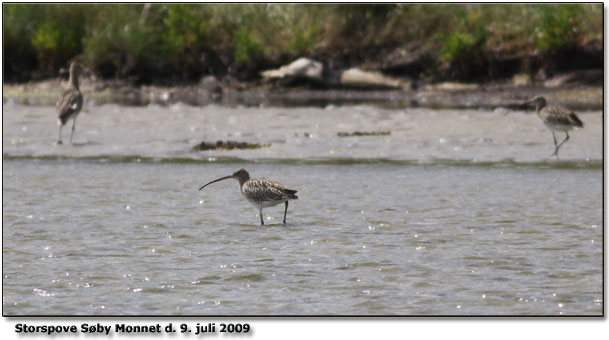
<point x="281" y="189"/>
<point x="561" y="116"/>
<point x="265" y="190"/>
<point x="69" y="103"/>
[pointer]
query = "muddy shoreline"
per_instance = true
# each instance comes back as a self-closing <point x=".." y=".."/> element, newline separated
<point x="576" y="96"/>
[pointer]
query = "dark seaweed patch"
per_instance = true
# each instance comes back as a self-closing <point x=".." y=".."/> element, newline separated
<point x="227" y="145"/>
<point x="363" y="133"/>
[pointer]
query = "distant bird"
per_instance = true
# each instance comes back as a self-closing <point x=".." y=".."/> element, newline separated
<point x="556" y="118"/>
<point x="70" y="103"/>
<point x="261" y="192"/>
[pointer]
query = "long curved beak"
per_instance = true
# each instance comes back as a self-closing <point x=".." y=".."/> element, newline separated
<point x="214" y="181"/>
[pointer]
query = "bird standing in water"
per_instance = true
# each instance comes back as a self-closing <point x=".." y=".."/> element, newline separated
<point x="70" y="102"/>
<point x="261" y="192"/>
<point x="556" y="118"/>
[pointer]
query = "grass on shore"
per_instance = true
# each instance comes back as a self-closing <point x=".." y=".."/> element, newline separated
<point x="182" y="42"/>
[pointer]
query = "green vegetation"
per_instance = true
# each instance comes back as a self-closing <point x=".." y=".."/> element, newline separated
<point x="182" y="42"/>
<point x="560" y="26"/>
<point x="466" y="46"/>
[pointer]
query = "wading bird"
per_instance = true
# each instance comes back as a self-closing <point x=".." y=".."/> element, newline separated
<point x="70" y="102"/>
<point x="261" y="192"/>
<point x="556" y="118"/>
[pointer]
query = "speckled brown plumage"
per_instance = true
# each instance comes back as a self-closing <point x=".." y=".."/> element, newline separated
<point x="261" y="192"/>
<point x="559" y="118"/>
<point x="70" y="102"/>
<point x="556" y="118"/>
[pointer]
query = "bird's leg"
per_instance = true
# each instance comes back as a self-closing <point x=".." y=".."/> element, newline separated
<point x="261" y="220"/>
<point x="554" y="138"/>
<point x="285" y="212"/>
<point x="73" y="125"/>
<point x="59" y="137"/>
<point x="561" y="143"/>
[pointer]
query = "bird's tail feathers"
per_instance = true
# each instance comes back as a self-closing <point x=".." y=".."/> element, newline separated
<point x="576" y="121"/>
<point x="291" y="194"/>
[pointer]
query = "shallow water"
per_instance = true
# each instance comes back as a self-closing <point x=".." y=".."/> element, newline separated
<point x="417" y="135"/>
<point x="395" y="224"/>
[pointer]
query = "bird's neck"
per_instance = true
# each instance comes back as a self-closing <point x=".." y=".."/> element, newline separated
<point x="74" y="80"/>
<point x="242" y="180"/>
